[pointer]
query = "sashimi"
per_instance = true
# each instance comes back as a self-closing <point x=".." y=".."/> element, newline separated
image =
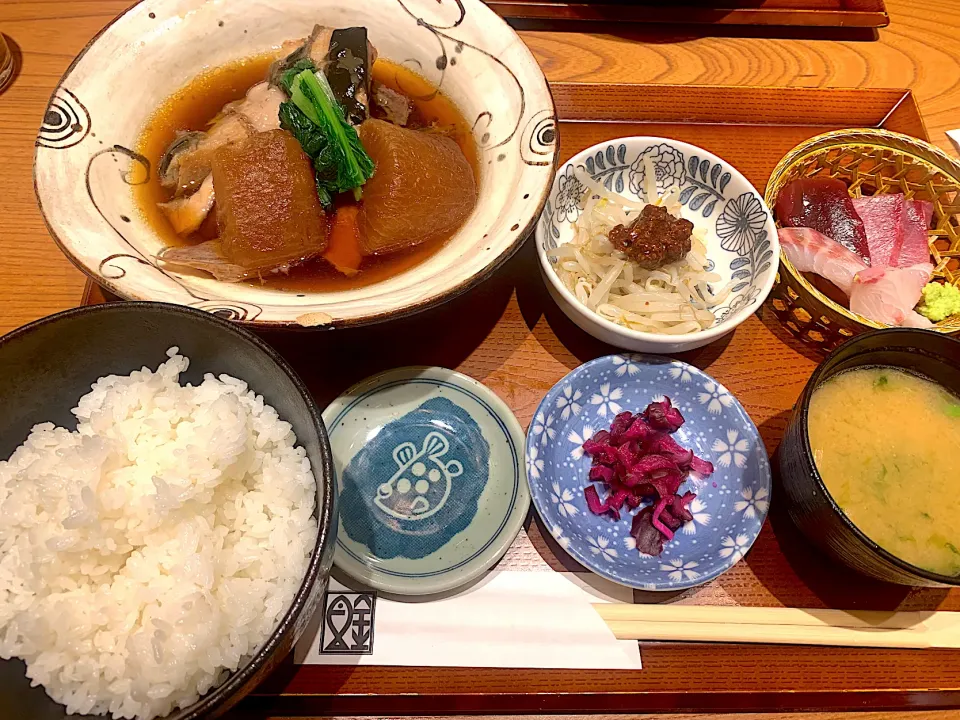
<point x="882" y="217"/>
<point x="896" y="229"/>
<point x="915" y="247"/>
<point x="811" y="251"/>
<point x="888" y="295"/>
<point x="916" y="320"/>
<point x="823" y="204"/>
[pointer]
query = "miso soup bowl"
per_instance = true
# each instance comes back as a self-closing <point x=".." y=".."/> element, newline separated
<point x="86" y="159"/>
<point x="807" y="499"/>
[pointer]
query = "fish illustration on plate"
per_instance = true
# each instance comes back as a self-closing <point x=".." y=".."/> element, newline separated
<point x="421" y="486"/>
<point x="417" y="483"/>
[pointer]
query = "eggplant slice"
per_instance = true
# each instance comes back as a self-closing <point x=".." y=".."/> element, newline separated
<point x="349" y="60"/>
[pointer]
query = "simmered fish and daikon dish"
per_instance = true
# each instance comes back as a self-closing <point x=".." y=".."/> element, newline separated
<point x="884" y="443"/>
<point x="325" y="168"/>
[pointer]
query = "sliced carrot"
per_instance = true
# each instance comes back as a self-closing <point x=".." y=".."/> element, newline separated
<point x="343" y="250"/>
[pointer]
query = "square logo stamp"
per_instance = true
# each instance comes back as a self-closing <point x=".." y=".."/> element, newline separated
<point x="348" y="623"/>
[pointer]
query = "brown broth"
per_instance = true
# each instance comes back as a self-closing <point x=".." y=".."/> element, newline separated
<point x="196" y="104"/>
<point x="431" y="106"/>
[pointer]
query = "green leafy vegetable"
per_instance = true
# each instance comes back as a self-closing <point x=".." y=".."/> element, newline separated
<point x="290" y="74"/>
<point x="952" y="410"/>
<point x="314" y="117"/>
<point x="311" y="138"/>
<point x="881" y="382"/>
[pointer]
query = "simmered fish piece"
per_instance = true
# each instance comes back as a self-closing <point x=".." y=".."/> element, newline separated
<point x="189" y="159"/>
<point x="423" y="188"/>
<point x="187" y="162"/>
<point x="260" y="107"/>
<point x="392" y="106"/>
<point x="168" y="167"/>
<point x="313" y="47"/>
<point x="268" y="212"/>
<point x="207" y="256"/>
<point x="186" y="214"/>
<point x="267" y="206"/>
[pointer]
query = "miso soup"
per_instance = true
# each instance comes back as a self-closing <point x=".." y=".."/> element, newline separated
<point x="885" y="443"/>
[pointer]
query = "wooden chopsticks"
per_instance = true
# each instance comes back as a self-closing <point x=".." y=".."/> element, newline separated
<point x="793" y="626"/>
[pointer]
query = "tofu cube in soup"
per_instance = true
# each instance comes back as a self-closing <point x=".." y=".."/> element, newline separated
<point x="267" y="206"/>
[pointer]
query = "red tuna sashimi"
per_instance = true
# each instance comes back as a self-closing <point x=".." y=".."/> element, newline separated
<point x="916" y="220"/>
<point x="824" y="204"/>
<point x="882" y="217"/>
<point x="810" y="251"/>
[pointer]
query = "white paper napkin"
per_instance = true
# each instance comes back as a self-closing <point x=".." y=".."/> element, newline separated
<point x="511" y="619"/>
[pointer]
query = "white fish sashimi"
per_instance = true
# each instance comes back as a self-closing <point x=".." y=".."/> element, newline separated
<point x="888" y="295"/>
<point x="811" y="251"/>
<point x="884" y="295"/>
<point x="916" y="320"/>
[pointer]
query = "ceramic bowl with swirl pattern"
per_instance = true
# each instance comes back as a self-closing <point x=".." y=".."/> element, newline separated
<point x="741" y="237"/>
<point x="85" y="160"/>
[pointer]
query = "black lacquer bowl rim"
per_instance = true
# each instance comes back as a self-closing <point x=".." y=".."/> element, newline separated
<point x="326" y="513"/>
<point x="802" y="410"/>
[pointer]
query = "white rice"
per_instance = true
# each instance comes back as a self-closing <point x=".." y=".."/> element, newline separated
<point x="146" y="555"/>
<point x="675" y="299"/>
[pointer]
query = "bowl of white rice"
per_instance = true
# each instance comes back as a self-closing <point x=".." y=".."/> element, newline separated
<point x="683" y="300"/>
<point x="167" y="505"/>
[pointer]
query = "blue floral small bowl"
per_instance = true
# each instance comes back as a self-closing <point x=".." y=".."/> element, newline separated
<point x="730" y="506"/>
<point x="741" y="236"/>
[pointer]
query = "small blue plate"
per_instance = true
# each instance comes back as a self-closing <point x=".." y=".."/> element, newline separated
<point x="730" y="506"/>
<point x="430" y="476"/>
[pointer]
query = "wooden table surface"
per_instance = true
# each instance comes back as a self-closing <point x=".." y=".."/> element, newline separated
<point x="920" y="50"/>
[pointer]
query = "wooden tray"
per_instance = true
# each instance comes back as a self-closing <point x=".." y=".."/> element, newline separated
<point x="803" y="13"/>
<point x="508" y="334"/>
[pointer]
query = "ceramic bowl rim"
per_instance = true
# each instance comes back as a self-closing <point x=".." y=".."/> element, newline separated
<point x="227" y="692"/>
<point x="803" y="407"/>
<point x="750" y="426"/>
<point x="517" y="436"/>
<point x="411" y="308"/>
<point x="702" y="336"/>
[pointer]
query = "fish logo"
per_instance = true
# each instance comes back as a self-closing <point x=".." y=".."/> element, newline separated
<point x="422" y="484"/>
<point x="348" y="623"/>
<point x="417" y="483"/>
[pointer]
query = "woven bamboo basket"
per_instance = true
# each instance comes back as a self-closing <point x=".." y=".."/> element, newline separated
<point x="870" y="162"/>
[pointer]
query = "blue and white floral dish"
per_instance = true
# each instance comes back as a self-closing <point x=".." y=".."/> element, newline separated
<point x="430" y="475"/>
<point x="740" y="232"/>
<point x="730" y="506"/>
